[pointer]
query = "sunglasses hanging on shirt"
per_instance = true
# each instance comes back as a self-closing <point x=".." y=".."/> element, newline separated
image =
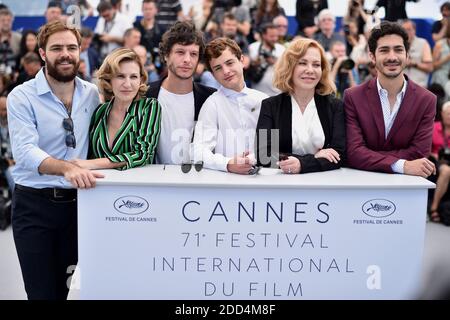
<point x="67" y="124"/>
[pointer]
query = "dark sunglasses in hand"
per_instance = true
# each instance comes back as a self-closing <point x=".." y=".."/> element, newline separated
<point x="71" y="142"/>
<point x="254" y="170"/>
<point x="186" y="167"/>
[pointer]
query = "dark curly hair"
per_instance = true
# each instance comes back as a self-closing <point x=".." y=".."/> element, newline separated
<point x="384" y="29"/>
<point x="184" y="33"/>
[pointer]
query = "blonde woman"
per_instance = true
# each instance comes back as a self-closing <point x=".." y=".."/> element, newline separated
<point x="309" y="121"/>
<point x="124" y="130"/>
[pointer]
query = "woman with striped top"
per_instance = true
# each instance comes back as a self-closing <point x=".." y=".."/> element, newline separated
<point x="124" y="130"/>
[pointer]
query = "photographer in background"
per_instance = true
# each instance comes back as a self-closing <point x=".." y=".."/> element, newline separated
<point x="263" y="56"/>
<point x="326" y="35"/>
<point x="282" y="23"/>
<point x="6" y="181"/>
<point x="6" y="159"/>
<point x="306" y="13"/>
<point x="356" y="12"/>
<point x="441" y="60"/>
<point x="440" y="152"/>
<point x="439" y="28"/>
<point x="110" y="28"/>
<point x="354" y="39"/>
<point x="420" y="63"/>
<point x="151" y="33"/>
<point x="343" y="71"/>
<point x="395" y="9"/>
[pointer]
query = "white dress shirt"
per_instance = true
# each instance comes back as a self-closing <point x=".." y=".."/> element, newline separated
<point x="307" y="132"/>
<point x="389" y="117"/>
<point x="226" y="126"/>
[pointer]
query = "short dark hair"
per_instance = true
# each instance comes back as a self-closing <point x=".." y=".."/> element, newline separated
<point x="267" y="26"/>
<point x="86" y="32"/>
<point x="184" y="33"/>
<point x="129" y="31"/>
<point x="384" y="29"/>
<point x="31" y="57"/>
<point x="54" y="4"/>
<point x="103" y="6"/>
<point x="229" y="16"/>
<point x="6" y="12"/>
<point x="445" y="5"/>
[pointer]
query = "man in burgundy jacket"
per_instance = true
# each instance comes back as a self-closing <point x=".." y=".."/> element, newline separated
<point x="390" y="118"/>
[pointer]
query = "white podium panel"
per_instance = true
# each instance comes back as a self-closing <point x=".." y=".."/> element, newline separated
<point x="160" y="234"/>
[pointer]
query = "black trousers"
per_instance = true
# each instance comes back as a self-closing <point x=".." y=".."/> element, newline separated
<point x="45" y="234"/>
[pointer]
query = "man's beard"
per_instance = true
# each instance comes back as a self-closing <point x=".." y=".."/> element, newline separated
<point x="394" y="75"/>
<point x="62" y="77"/>
<point x="173" y="69"/>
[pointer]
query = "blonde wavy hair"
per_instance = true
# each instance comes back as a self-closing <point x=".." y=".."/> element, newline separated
<point x="110" y="68"/>
<point x="284" y="68"/>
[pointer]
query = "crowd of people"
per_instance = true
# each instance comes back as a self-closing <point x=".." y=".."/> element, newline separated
<point x="226" y="88"/>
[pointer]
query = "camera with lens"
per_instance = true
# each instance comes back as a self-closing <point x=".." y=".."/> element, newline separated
<point x="444" y="154"/>
<point x="4" y="164"/>
<point x="347" y="64"/>
<point x="266" y="53"/>
<point x="258" y="68"/>
<point x="363" y="71"/>
<point x="346" y="29"/>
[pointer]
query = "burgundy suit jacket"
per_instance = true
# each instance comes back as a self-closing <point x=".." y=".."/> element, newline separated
<point x="410" y="135"/>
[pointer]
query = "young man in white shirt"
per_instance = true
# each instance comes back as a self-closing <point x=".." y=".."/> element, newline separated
<point x="181" y="49"/>
<point x="225" y="131"/>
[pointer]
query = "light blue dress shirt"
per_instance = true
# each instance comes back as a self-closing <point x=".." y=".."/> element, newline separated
<point x="35" y="117"/>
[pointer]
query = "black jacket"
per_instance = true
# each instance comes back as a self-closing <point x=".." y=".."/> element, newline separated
<point x="276" y="113"/>
<point x="395" y="9"/>
<point x="306" y="12"/>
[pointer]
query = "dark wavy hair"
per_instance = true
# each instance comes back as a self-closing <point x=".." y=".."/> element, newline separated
<point x="387" y="28"/>
<point x="184" y="33"/>
<point x="23" y="42"/>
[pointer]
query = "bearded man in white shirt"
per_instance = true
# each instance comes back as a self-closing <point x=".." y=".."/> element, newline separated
<point x="225" y="132"/>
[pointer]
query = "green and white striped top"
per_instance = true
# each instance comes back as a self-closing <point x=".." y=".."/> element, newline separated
<point x="135" y="141"/>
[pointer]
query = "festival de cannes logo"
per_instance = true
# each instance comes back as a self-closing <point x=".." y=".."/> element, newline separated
<point x="131" y="205"/>
<point x="378" y="208"/>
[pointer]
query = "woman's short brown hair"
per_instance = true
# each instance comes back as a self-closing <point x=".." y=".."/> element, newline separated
<point x="54" y="27"/>
<point x="284" y="68"/>
<point x="110" y="68"/>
